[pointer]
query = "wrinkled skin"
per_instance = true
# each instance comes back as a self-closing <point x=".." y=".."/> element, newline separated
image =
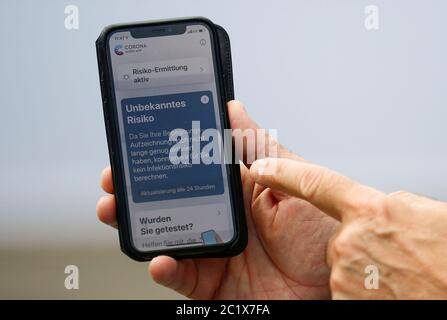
<point x="286" y="253"/>
<point x="389" y="246"/>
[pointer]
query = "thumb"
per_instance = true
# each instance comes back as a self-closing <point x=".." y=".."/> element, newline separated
<point x="333" y="193"/>
<point x="241" y="120"/>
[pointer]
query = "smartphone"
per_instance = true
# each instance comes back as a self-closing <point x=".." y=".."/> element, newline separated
<point x="165" y="85"/>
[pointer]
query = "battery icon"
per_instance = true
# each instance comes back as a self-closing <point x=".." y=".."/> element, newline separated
<point x="200" y="30"/>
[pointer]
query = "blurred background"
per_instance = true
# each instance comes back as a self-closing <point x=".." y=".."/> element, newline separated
<point x="369" y="103"/>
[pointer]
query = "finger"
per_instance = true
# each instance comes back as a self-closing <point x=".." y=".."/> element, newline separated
<point x="106" y="180"/>
<point x="329" y="191"/>
<point x="180" y="276"/>
<point x="264" y="212"/>
<point x="197" y="279"/>
<point x="248" y="189"/>
<point x="106" y="210"/>
<point x="239" y="119"/>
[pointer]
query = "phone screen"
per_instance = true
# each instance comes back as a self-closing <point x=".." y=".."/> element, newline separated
<point x="165" y="84"/>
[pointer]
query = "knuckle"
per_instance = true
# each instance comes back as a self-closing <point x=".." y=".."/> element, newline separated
<point x="337" y="280"/>
<point x="310" y="181"/>
<point x="341" y="245"/>
<point x="346" y="242"/>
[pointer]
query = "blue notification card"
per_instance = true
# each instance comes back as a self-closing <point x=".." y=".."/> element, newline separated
<point x="148" y="122"/>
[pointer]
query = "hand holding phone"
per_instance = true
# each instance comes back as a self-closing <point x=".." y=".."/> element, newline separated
<point x="165" y="86"/>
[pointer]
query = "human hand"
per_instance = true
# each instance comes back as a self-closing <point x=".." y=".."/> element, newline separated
<point x="401" y="235"/>
<point x="285" y="254"/>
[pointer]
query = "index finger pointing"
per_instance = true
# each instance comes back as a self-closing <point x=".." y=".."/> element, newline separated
<point x="106" y="180"/>
<point x="329" y="191"/>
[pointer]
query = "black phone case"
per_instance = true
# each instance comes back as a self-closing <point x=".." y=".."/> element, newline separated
<point x="225" y="75"/>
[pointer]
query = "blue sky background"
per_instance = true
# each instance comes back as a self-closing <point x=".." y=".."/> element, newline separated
<point x="371" y="104"/>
